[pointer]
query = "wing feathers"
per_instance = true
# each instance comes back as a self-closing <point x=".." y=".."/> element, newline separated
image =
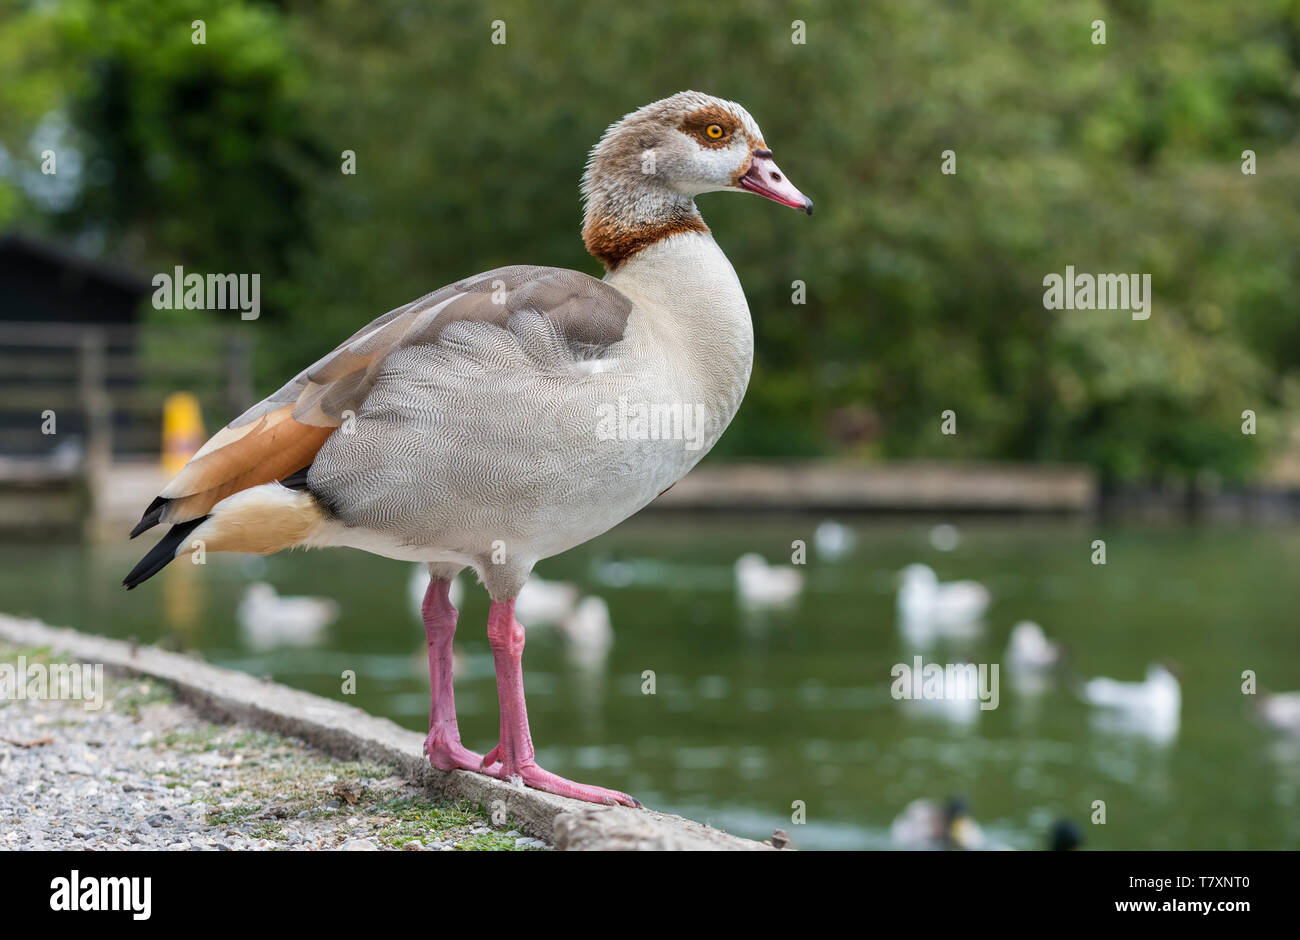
<point x="235" y="459"/>
<point x="281" y="435"/>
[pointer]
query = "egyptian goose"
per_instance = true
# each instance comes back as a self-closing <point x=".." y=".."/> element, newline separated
<point x="501" y="420"/>
<point x="418" y="585"/>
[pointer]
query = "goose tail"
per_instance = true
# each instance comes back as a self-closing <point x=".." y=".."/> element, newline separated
<point x="161" y="554"/>
<point x="259" y="520"/>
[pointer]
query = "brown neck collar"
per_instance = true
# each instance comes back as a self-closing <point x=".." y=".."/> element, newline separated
<point x="614" y="240"/>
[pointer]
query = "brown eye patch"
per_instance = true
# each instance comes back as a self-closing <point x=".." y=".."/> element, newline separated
<point x="711" y="126"/>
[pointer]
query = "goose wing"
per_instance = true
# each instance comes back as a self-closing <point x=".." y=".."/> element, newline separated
<point x="279" y="437"/>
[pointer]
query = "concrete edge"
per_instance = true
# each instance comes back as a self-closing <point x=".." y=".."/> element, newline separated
<point x="348" y="733"/>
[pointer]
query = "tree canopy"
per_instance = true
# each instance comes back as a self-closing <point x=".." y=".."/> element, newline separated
<point x="923" y="289"/>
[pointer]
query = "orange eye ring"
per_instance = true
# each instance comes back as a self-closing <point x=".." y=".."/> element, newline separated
<point x="714" y="132"/>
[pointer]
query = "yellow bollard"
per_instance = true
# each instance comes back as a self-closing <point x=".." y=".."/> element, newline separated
<point x="182" y="433"/>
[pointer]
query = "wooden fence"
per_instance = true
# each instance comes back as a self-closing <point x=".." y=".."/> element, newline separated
<point x="75" y="398"/>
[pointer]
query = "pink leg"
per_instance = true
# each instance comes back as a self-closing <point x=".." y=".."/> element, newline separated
<point x="443" y="745"/>
<point x="506" y="636"/>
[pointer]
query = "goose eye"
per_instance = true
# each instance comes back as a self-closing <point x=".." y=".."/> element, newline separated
<point x="714" y="131"/>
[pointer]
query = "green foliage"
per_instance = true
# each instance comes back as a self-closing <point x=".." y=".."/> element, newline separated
<point x="924" y="290"/>
<point x="189" y="154"/>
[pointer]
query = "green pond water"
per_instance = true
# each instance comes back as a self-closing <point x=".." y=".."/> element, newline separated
<point x="755" y="711"/>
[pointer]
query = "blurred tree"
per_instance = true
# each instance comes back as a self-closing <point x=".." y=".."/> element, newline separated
<point x="924" y="290"/>
<point x="179" y="152"/>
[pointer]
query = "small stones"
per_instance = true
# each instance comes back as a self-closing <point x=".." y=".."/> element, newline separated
<point x="349" y="791"/>
<point x="132" y="779"/>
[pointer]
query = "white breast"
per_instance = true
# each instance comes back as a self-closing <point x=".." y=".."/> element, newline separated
<point x="691" y="321"/>
<point x="524" y="462"/>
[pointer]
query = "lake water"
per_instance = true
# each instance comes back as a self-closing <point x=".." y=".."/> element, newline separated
<point x="755" y="711"/>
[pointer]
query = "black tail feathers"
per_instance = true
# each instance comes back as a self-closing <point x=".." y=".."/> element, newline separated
<point x="152" y="516"/>
<point x="162" y="553"/>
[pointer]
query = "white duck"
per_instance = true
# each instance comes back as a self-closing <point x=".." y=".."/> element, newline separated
<point x="587" y="632"/>
<point x="267" y="620"/>
<point x="957" y="711"/>
<point x="925" y="603"/>
<point x="488" y="431"/>
<point x="762" y="585"/>
<point x="1281" y="710"/>
<point x="833" y="540"/>
<point x="1151" y="707"/>
<point x="945" y="537"/>
<point x="1029" y="650"/>
<point x="546" y="602"/>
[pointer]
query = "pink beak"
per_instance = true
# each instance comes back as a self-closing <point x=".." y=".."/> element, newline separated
<point x="766" y="179"/>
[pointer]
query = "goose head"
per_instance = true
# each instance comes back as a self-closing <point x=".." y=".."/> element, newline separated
<point x="644" y="174"/>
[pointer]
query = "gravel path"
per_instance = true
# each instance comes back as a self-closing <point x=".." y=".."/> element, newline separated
<point x="145" y="772"/>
